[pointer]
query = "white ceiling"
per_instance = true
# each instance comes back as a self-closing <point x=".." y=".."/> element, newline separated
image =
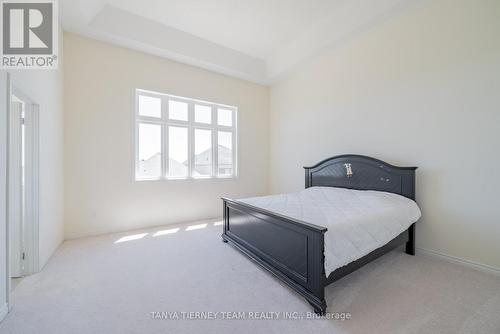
<point x="257" y="40"/>
<point x="253" y="27"/>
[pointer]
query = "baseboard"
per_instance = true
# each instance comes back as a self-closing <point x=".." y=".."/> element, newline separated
<point x="453" y="259"/>
<point x="4" y="309"/>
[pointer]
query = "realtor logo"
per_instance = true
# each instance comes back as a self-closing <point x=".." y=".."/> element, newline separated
<point x="29" y="34"/>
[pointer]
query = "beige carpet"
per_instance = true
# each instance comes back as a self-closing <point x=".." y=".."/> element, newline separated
<point x="95" y="285"/>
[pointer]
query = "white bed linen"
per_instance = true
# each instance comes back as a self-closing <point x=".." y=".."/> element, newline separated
<point x="358" y="221"/>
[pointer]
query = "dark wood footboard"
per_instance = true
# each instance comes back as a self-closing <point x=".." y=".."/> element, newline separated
<point x="288" y="248"/>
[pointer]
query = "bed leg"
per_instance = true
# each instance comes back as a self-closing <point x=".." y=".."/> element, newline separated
<point x="224" y="240"/>
<point x="318" y="303"/>
<point x="410" y="244"/>
<point x="319" y="310"/>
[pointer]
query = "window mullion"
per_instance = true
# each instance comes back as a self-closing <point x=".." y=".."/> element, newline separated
<point x="164" y="142"/>
<point x="165" y="153"/>
<point x="136" y="149"/>
<point x="215" y="153"/>
<point x="190" y="139"/>
<point x="136" y="135"/>
<point x="234" y="144"/>
<point x="215" y="143"/>
<point x="177" y="123"/>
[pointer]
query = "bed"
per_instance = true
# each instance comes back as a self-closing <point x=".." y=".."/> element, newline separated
<point x="291" y="247"/>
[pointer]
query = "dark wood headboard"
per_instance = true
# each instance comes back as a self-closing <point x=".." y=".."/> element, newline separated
<point x="362" y="173"/>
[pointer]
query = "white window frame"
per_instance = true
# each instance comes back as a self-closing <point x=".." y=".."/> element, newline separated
<point x="191" y="125"/>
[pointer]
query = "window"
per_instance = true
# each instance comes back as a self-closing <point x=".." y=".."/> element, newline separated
<point x="182" y="138"/>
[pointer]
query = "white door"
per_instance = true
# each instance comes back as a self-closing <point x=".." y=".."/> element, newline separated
<point x="15" y="212"/>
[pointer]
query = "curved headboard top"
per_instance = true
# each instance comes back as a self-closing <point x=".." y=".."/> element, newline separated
<point x="362" y="173"/>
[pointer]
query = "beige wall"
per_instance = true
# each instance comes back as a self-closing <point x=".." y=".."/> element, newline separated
<point x="101" y="195"/>
<point x="419" y="89"/>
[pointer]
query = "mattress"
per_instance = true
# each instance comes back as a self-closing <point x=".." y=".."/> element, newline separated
<point x="358" y="221"/>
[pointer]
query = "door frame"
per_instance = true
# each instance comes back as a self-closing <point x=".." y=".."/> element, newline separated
<point x="7" y="87"/>
<point x="5" y="97"/>
<point x="15" y="188"/>
<point x="31" y="200"/>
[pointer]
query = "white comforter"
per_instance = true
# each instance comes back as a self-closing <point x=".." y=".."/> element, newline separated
<point x="358" y="221"/>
